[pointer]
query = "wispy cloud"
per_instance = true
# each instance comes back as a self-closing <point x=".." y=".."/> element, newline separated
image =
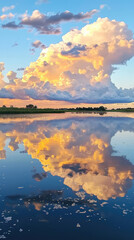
<point x="5" y="9"/>
<point x="41" y="1"/>
<point x="102" y="6"/>
<point x="2" y="66"/>
<point x="20" y="69"/>
<point x="15" y="44"/>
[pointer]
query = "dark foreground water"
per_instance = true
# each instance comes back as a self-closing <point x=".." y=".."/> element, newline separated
<point x="67" y="177"/>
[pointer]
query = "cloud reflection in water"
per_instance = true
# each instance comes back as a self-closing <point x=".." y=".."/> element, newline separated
<point x="77" y="150"/>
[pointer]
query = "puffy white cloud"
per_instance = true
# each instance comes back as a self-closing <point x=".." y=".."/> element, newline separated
<point x="11" y="75"/>
<point x="5" y="16"/>
<point x="78" y="69"/>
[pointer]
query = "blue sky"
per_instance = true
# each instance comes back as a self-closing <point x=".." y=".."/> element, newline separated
<point x="20" y="56"/>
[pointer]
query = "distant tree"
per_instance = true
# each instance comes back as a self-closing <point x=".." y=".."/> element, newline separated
<point x="4" y="106"/>
<point x="31" y="106"/>
<point x="11" y="106"/>
<point x="101" y="108"/>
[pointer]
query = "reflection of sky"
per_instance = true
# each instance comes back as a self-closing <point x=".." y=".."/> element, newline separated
<point x="123" y="145"/>
<point x="67" y="172"/>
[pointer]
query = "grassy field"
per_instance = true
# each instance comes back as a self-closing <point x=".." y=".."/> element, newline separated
<point x="122" y="110"/>
<point x="28" y="110"/>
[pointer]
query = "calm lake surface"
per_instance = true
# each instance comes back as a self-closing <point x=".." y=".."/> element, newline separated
<point x="67" y="176"/>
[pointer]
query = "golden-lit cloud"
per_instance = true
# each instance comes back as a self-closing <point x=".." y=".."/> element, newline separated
<point x="6" y="16"/>
<point x="78" y="69"/>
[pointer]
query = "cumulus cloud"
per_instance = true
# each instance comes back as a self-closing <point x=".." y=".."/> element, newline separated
<point x="5" y="9"/>
<point x="38" y="44"/>
<point x="6" y="16"/>
<point x="48" y="24"/>
<point x="4" y="93"/>
<point x="78" y="69"/>
<point x="11" y="75"/>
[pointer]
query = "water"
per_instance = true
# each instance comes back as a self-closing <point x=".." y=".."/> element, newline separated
<point x="67" y="176"/>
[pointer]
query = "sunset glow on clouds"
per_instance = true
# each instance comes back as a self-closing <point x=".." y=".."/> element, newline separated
<point x="78" y="68"/>
<point x="79" y="151"/>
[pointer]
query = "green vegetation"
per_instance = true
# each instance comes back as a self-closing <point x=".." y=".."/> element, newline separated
<point x="122" y="110"/>
<point x="31" y="109"/>
<point x="15" y="110"/>
<point x="88" y="109"/>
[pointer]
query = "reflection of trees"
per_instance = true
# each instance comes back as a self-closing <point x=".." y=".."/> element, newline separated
<point x="80" y="152"/>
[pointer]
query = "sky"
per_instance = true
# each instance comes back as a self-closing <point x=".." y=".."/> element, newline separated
<point x="66" y="53"/>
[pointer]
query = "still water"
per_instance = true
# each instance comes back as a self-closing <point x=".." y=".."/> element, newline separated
<point x="67" y="176"/>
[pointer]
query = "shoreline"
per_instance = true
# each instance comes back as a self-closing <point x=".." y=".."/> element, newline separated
<point x="18" y="111"/>
<point x="84" y="112"/>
